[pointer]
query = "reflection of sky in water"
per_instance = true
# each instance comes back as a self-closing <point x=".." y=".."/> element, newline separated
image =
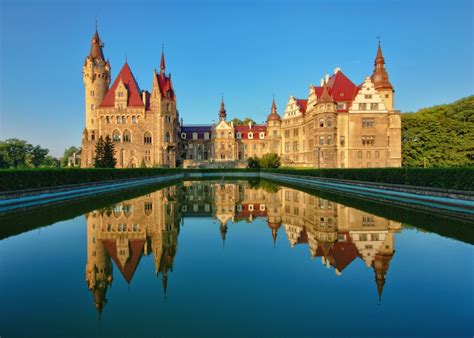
<point x="320" y="277"/>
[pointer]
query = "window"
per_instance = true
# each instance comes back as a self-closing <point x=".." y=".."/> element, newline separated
<point x="167" y="137"/>
<point x="362" y="106"/>
<point x="295" y="132"/>
<point x="341" y="106"/>
<point x="377" y="154"/>
<point x="195" y="136"/>
<point x="168" y="118"/>
<point x="367" y="122"/>
<point x="368" y="96"/>
<point x="92" y="106"/>
<point x="342" y="141"/>
<point x="321" y="140"/>
<point x="254" y="146"/>
<point x="116" y="136"/>
<point x="287" y="147"/>
<point x="206" y="136"/>
<point x="321" y="122"/>
<point x="359" y="154"/>
<point x="107" y="119"/>
<point x="374" y="106"/>
<point x="92" y="93"/>
<point x="126" y="136"/>
<point x="368" y="140"/>
<point x="238" y="135"/>
<point x="329" y="140"/>
<point x="119" y="119"/>
<point x="386" y="96"/>
<point x="295" y="145"/>
<point x="287" y="133"/>
<point x="250" y="136"/>
<point x="183" y="136"/>
<point x="147" y="138"/>
<point x="120" y="94"/>
<point x="262" y="135"/>
<point x="328" y="122"/>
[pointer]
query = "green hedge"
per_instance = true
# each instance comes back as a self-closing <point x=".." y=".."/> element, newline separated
<point x="446" y="178"/>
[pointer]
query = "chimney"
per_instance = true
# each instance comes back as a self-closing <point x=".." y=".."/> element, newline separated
<point x="322" y="82"/>
<point x="326" y="78"/>
<point x="250" y="124"/>
<point x="336" y="70"/>
<point x="144" y="97"/>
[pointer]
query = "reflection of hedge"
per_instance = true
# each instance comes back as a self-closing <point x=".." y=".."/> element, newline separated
<point x="448" y="178"/>
<point x="445" y="178"/>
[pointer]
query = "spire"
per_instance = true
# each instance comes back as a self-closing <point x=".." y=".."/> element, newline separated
<point x="325" y="97"/>
<point x="223" y="229"/>
<point x="96" y="46"/>
<point x="222" y="111"/>
<point x="162" y="62"/>
<point x="380" y="75"/>
<point x="274" y="235"/>
<point x="164" y="279"/>
<point x="273" y="116"/>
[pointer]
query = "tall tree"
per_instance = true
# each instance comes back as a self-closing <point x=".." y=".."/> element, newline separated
<point x="99" y="153"/>
<point x="38" y="156"/>
<point x="238" y="122"/>
<point x="15" y="152"/>
<point x="109" y="153"/>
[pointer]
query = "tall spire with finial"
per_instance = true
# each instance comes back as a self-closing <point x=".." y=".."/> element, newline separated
<point x="162" y="62"/>
<point x="222" y="111"/>
<point x="380" y="75"/>
<point x="273" y="116"/>
<point x="96" y="45"/>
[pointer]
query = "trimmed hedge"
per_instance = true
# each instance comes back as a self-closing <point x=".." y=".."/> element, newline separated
<point x="445" y="178"/>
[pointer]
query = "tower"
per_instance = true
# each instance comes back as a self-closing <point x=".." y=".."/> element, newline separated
<point x="222" y="111"/>
<point x="96" y="77"/>
<point x="274" y="130"/>
<point x="381" y="80"/>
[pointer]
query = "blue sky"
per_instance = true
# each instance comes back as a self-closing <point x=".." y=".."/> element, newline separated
<point x="247" y="50"/>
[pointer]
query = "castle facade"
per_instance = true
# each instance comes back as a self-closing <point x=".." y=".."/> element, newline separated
<point x="339" y="125"/>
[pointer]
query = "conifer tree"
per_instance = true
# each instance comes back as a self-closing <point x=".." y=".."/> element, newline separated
<point x="99" y="153"/>
<point x="109" y="160"/>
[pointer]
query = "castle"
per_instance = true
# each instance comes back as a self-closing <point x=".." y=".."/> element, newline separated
<point x="339" y="125"/>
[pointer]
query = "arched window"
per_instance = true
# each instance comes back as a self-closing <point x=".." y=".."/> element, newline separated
<point x="250" y="135"/>
<point x="107" y="119"/>
<point x="167" y="137"/>
<point x="119" y="119"/>
<point x="116" y="136"/>
<point x="239" y="135"/>
<point x="147" y="138"/>
<point x="183" y="136"/>
<point x="195" y="136"/>
<point x="93" y="136"/>
<point x="126" y="136"/>
<point x="262" y="135"/>
<point x="124" y="119"/>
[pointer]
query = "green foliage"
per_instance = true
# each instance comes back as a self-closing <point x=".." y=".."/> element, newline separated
<point x="15" y="153"/>
<point x="271" y="160"/>
<point x="440" y="136"/>
<point x="239" y="122"/>
<point x="104" y="153"/>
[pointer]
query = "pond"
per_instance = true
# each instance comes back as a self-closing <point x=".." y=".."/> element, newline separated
<point x="234" y="259"/>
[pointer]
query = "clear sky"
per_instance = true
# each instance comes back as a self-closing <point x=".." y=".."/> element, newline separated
<point x="247" y="50"/>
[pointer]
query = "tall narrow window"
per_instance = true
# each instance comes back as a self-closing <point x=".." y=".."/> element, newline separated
<point x="147" y="138"/>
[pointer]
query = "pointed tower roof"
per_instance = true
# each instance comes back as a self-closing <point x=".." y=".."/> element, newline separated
<point x="96" y="47"/>
<point x="162" y="62"/>
<point x="380" y="75"/>
<point x="273" y="116"/>
<point x="325" y="97"/>
<point x="222" y="111"/>
<point x="134" y="92"/>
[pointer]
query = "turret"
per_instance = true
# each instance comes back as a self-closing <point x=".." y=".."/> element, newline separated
<point x="274" y="131"/>
<point x="381" y="80"/>
<point x="96" y="76"/>
<point x="222" y="111"/>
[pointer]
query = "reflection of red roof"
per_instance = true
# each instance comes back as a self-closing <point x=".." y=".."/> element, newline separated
<point x="245" y="212"/>
<point x="134" y="94"/>
<point x="342" y="254"/>
<point x="256" y="129"/>
<point x="303" y="237"/>
<point x="136" y="248"/>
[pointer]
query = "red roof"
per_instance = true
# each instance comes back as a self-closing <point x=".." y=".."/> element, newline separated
<point x="136" y="248"/>
<point x="256" y="212"/>
<point x="256" y="129"/>
<point x="302" y="104"/>
<point x="134" y="93"/>
<point x="166" y="86"/>
<point x="341" y="88"/>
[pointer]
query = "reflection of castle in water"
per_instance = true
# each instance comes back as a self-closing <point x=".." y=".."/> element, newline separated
<point x="150" y="225"/>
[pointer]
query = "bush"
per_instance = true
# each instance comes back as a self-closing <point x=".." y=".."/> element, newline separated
<point x="271" y="160"/>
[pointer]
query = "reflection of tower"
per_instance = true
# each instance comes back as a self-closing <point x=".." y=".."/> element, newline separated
<point x="98" y="266"/>
<point x="274" y="226"/>
<point x="382" y="262"/>
<point x="223" y="230"/>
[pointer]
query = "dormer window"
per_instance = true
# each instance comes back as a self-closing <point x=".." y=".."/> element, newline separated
<point x="195" y="136"/>
<point x="206" y="136"/>
<point x="250" y="136"/>
<point x="262" y="135"/>
<point x="183" y="136"/>
<point x="239" y="135"/>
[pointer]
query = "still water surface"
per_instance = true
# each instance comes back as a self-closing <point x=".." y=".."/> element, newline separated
<point x="218" y="258"/>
